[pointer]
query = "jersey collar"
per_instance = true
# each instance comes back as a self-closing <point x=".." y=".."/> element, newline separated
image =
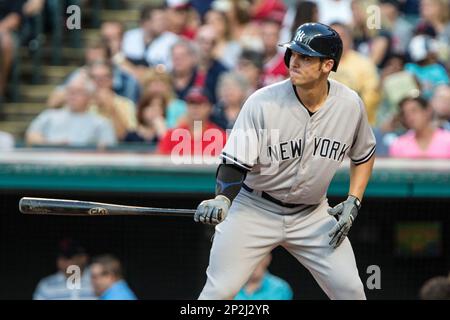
<point x="303" y="105"/>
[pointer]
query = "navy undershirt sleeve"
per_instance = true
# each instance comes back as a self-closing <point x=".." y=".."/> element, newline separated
<point x="229" y="180"/>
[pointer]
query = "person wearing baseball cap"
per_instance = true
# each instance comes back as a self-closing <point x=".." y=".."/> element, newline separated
<point x="196" y="135"/>
<point x="198" y="95"/>
<point x="425" y="65"/>
<point x="71" y="261"/>
<point x="178" y="15"/>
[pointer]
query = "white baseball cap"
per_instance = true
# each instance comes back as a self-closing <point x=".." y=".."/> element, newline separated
<point x="178" y="3"/>
<point x="420" y="46"/>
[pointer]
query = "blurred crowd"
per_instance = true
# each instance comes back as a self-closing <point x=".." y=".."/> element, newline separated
<point x="78" y="277"/>
<point x="184" y="73"/>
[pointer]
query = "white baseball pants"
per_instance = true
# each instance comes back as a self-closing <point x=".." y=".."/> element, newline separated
<point x="255" y="226"/>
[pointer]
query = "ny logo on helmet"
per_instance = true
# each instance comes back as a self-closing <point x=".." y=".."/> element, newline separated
<point x="299" y="36"/>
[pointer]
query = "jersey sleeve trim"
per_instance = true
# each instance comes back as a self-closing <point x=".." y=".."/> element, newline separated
<point x="226" y="157"/>
<point x="365" y="158"/>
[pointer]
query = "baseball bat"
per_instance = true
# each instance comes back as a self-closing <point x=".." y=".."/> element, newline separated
<point x="59" y="207"/>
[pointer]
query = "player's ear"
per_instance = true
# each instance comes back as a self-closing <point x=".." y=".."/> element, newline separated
<point x="327" y="65"/>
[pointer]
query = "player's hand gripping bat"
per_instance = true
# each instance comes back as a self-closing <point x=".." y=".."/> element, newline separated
<point x="41" y="206"/>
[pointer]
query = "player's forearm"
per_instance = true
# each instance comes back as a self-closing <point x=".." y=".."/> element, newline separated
<point x="229" y="180"/>
<point x="359" y="177"/>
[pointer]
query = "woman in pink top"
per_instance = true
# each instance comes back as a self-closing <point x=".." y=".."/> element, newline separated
<point x="423" y="140"/>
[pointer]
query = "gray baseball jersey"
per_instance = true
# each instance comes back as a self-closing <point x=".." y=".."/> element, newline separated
<point x="291" y="154"/>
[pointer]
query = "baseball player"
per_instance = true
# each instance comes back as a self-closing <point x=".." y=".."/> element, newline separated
<point x="271" y="188"/>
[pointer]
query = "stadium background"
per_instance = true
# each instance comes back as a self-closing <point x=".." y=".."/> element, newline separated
<point x="403" y="226"/>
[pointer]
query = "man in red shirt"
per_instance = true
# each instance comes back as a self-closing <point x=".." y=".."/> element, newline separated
<point x="196" y="135"/>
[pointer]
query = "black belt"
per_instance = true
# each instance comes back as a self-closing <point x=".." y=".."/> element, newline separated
<point x="272" y="199"/>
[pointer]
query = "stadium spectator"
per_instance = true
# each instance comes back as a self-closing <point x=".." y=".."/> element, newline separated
<point x="243" y="29"/>
<point x="107" y="279"/>
<point x="209" y="69"/>
<point x="201" y="6"/>
<point x="6" y="141"/>
<point x="266" y="10"/>
<point x="250" y="66"/>
<point x="372" y="41"/>
<point x="33" y="7"/>
<point x="232" y="91"/>
<point x="425" y="67"/>
<point x="435" y="22"/>
<point x="197" y="135"/>
<point x="227" y="49"/>
<point x="389" y="125"/>
<point x="184" y="74"/>
<point x="149" y="45"/>
<point x="151" y="120"/>
<point x="358" y="72"/>
<point x="55" y="287"/>
<point x="274" y="69"/>
<point x="111" y="33"/>
<point x="334" y="11"/>
<point x="396" y="84"/>
<point x="160" y="83"/>
<point x="124" y="84"/>
<point x="440" y="103"/>
<point x="401" y="30"/>
<point x="263" y="285"/>
<point x="179" y="15"/>
<point x="261" y="10"/>
<point x="10" y="20"/>
<point x="410" y="7"/>
<point x="74" y="124"/>
<point x="31" y="10"/>
<point x="119" y="110"/>
<point x="424" y="139"/>
<point x="437" y="288"/>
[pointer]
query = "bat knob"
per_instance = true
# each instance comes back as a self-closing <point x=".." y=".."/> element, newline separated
<point x="25" y="205"/>
<point x="32" y="206"/>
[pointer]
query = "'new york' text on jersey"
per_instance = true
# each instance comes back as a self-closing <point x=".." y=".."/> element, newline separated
<point x="291" y="154"/>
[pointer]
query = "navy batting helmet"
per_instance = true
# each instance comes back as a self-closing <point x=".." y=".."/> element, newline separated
<point x="315" y="40"/>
